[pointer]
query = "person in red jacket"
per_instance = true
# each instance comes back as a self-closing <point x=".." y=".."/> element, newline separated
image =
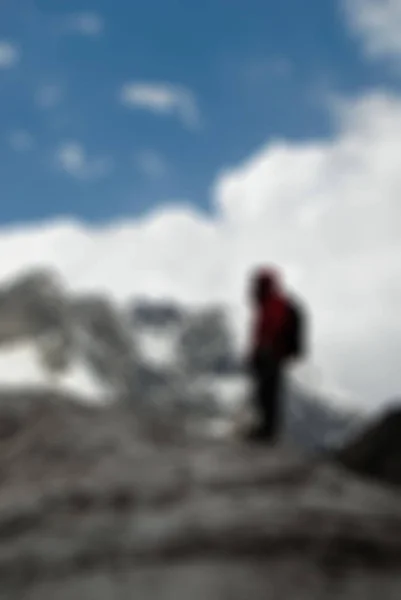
<point x="276" y="338"/>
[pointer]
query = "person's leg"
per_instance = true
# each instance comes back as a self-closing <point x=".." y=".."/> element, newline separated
<point x="269" y="399"/>
<point x="260" y="397"/>
<point x="257" y="431"/>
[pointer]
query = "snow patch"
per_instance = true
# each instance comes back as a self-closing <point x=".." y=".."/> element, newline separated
<point x="79" y="380"/>
<point x="20" y="366"/>
<point x="231" y="390"/>
<point x="158" y="348"/>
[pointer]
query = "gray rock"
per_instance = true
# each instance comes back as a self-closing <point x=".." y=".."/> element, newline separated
<point x="375" y="452"/>
<point x="205" y="344"/>
<point x="156" y="314"/>
<point x="89" y="508"/>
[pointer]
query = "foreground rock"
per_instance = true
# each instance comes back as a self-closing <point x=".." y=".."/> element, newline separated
<point x="376" y="451"/>
<point x="90" y="509"/>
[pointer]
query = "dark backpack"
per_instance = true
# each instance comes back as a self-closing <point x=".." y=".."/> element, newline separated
<point x="295" y="332"/>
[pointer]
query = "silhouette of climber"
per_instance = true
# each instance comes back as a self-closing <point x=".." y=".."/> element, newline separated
<point x="277" y="337"/>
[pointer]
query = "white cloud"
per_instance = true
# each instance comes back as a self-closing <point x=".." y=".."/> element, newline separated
<point x="9" y="54"/>
<point x="328" y="212"/>
<point x="378" y="24"/>
<point x="163" y="99"/>
<point x="21" y="140"/>
<point x="152" y="164"/>
<point x="73" y="159"/>
<point x="90" y="24"/>
<point x="49" y="95"/>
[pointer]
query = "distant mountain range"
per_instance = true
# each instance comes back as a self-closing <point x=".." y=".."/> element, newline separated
<point x="173" y="365"/>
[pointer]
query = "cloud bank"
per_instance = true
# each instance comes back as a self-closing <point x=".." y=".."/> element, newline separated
<point x="328" y="212"/>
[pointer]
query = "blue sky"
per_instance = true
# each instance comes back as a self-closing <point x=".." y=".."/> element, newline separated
<point x="247" y="72"/>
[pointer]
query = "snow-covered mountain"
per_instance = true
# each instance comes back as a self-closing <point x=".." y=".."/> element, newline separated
<point x="52" y="340"/>
<point x="182" y="255"/>
<point x="176" y="366"/>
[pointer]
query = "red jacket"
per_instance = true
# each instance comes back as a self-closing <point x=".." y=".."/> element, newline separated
<point x="271" y="314"/>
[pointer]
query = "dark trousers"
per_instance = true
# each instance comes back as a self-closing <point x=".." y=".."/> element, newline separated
<point x="268" y="376"/>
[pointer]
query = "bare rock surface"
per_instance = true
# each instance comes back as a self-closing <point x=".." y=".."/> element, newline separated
<point x="89" y="508"/>
<point x="376" y="450"/>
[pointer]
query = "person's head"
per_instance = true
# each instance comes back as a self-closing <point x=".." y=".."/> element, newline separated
<point x="264" y="284"/>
